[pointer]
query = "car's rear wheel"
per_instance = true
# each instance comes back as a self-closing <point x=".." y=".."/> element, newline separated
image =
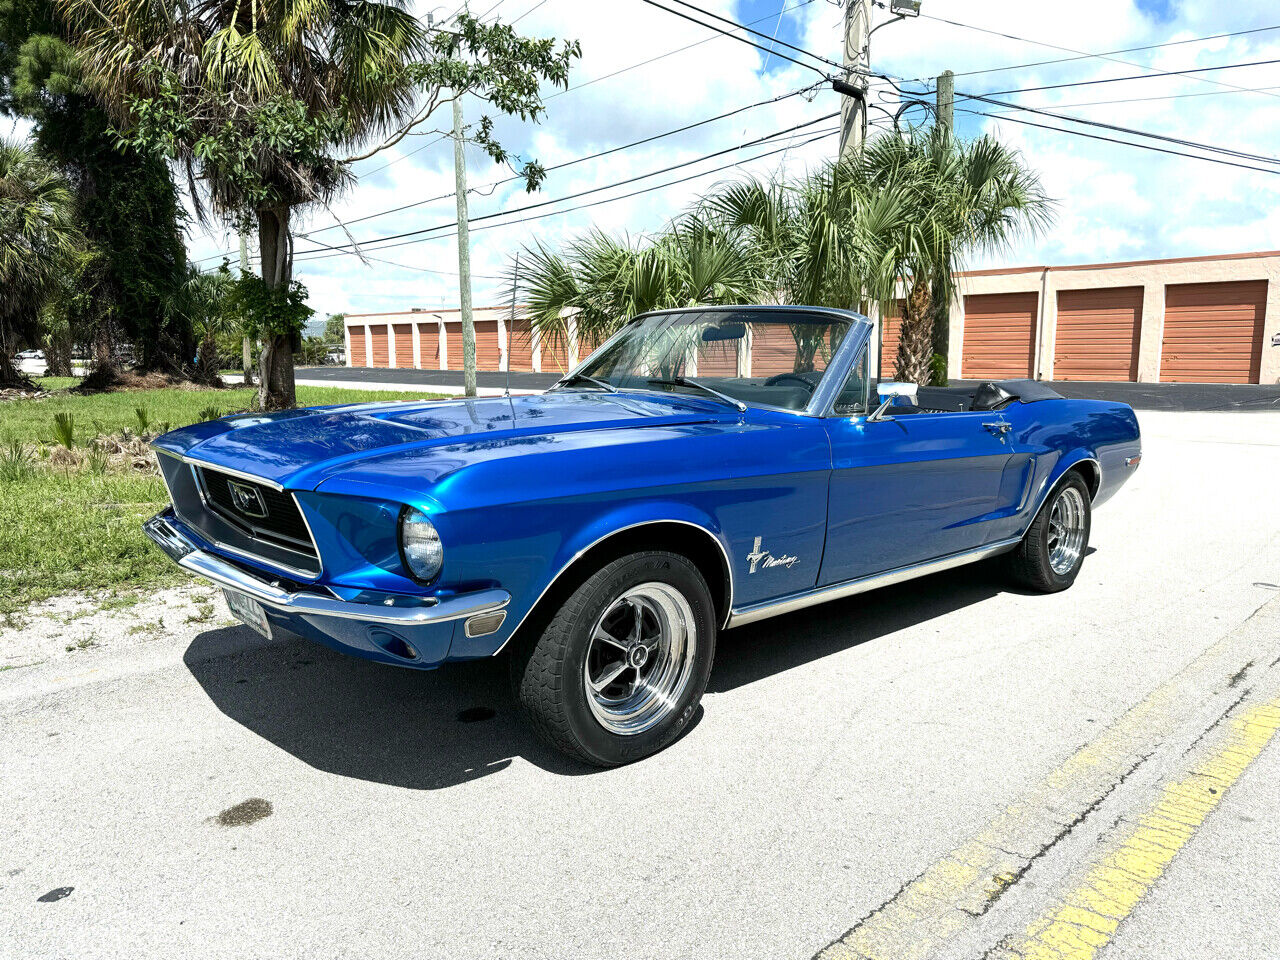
<point x="1050" y="555"/>
<point x="618" y="672"/>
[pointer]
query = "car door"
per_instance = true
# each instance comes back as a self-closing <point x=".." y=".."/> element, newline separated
<point x="914" y="488"/>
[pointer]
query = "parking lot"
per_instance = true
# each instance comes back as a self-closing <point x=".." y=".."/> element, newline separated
<point x="947" y="768"/>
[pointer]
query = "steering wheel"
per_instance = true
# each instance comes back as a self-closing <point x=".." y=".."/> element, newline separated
<point x="799" y="378"/>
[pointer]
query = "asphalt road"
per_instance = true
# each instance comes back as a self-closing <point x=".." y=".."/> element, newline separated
<point x="943" y="769"/>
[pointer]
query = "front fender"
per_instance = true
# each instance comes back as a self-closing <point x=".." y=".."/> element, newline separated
<point x="587" y="531"/>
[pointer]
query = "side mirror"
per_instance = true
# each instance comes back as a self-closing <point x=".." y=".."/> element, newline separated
<point x="889" y="392"/>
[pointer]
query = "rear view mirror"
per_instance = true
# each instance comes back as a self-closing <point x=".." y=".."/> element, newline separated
<point x="725" y="331"/>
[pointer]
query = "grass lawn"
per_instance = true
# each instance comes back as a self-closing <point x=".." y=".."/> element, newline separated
<point x="67" y="530"/>
<point x="108" y="413"/>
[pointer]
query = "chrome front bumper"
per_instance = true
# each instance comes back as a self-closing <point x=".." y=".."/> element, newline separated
<point x="190" y="557"/>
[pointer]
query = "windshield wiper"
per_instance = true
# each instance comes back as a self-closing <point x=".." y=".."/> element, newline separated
<point x="602" y="384"/>
<point x="699" y="385"/>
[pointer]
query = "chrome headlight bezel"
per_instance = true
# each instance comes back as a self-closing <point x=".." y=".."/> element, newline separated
<point x="418" y="525"/>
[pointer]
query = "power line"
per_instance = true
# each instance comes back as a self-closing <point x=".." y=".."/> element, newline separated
<point x="583" y="193"/>
<point x="1125" y="143"/>
<point x="1167" y="96"/>
<point x="596" y="203"/>
<point x="669" y="53"/>
<point x="577" y="160"/>
<point x="1263" y="158"/>
<point x="1106" y="55"/>
<point x="748" y="42"/>
<point x="764" y="36"/>
<point x="1138" y="76"/>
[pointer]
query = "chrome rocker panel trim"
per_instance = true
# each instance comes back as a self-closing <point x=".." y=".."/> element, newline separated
<point x="190" y="557"/>
<point x="837" y="591"/>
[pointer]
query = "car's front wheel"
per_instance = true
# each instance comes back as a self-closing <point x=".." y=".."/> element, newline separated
<point x="1050" y="555"/>
<point x="618" y="672"/>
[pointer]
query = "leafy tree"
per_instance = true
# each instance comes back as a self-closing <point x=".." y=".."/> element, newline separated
<point x="126" y="202"/>
<point x="39" y="240"/>
<point x="335" y="329"/>
<point x="266" y="103"/>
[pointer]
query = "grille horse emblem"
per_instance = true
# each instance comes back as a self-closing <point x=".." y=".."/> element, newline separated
<point x="248" y="500"/>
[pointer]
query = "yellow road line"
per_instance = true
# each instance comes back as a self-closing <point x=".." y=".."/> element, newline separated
<point x="950" y="895"/>
<point x="1088" y="917"/>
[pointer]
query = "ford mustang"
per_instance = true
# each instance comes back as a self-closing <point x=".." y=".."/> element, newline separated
<point x="703" y="469"/>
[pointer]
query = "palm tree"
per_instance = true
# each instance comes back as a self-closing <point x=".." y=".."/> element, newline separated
<point x="264" y="104"/>
<point x="603" y="282"/>
<point x="961" y="198"/>
<point x="38" y="239"/>
<point x="201" y="302"/>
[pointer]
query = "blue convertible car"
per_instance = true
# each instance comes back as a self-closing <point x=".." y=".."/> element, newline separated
<point x="705" y="468"/>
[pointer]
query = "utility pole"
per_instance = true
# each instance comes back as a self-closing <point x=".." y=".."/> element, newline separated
<point x="943" y="290"/>
<point x="945" y="101"/>
<point x="464" y="251"/>
<point x="247" y="345"/>
<point x="857" y="61"/>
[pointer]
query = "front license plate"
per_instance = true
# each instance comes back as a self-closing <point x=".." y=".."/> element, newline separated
<point x="248" y="610"/>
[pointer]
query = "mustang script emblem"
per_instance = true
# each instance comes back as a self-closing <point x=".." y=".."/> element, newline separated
<point x="248" y="500"/>
<point x="759" y="557"/>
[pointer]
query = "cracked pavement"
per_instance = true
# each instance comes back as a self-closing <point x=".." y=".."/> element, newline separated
<point x="949" y="755"/>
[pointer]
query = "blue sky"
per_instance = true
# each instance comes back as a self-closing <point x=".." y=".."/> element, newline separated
<point x="1114" y="202"/>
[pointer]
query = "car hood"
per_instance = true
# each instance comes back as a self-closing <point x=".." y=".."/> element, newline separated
<point x="298" y="449"/>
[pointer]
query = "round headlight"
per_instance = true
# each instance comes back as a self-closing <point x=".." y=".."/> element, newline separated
<point x="420" y="544"/>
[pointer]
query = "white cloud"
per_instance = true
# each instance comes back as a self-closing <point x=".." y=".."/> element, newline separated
<point x="1114" y="201"/>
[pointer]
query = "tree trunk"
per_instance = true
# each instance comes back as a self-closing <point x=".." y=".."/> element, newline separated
<point x="11" y="378"/>
<point x="915" y="343"/>
<point x="275" y="363"/>
<point x="942" y="328"/>
<point x="248" y="362"/>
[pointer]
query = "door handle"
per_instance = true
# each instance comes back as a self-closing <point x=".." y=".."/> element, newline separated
<point x="999" y="428"/>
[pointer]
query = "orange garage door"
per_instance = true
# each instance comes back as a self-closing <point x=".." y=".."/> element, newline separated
<point x="380" y="356"/>
<point x="429" y="346"/>
<point x="488" y="356"/>
<point x="999" y="335"/>
<point x="1097" y="336"/>
<point x="520" y="345"/>
<point x="358" y="358"/>
<point x="486" y="344"/>
<point x="1213" y="332"/>
<point x="404" y="344"/>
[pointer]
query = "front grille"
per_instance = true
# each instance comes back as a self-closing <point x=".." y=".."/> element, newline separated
<point x="204" y="499"/>
<point x="261" y="510"/>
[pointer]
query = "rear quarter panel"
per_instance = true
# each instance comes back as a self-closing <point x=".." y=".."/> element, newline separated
<point x="1052" y="436"/>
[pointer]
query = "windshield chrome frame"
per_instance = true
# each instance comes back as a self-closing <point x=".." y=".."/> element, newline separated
<point x="833" y="377"/>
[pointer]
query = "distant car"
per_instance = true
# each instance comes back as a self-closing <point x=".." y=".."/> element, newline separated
<point x="31" y="355"/>
<point x="703" y="469"/>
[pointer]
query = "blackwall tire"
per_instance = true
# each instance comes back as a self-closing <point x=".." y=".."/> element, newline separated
<point x="619" y="671"/>
<point x="1050" y="555"/>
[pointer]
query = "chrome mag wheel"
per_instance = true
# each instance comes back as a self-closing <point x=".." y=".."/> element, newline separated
<point x="1066" y="530"/>
<point x="640" y="658"/>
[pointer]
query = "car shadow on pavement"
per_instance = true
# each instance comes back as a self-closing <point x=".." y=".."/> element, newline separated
<point x="425" y="730"/>
<point x="772" y="646"/>
<point x="428" y="730"/>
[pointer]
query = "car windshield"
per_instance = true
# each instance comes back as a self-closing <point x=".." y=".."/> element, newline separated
<point x="756" y="357"/>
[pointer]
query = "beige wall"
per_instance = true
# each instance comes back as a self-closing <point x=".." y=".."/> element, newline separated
<point x="1152" y="276"/>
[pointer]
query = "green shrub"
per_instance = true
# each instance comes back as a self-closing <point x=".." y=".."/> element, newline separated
<point x="64" y="429"/>
<point x="144" y="419"/>
<point x="15" y="461"/>
<point x="97" y="460"/>
<point x="209" y="413"/>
